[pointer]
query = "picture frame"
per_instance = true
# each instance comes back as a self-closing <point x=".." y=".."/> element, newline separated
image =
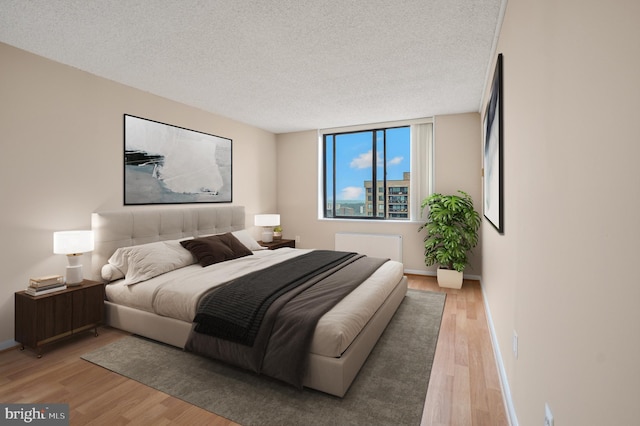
<point x="167" y="164"/>
<point x="493" y="153"/>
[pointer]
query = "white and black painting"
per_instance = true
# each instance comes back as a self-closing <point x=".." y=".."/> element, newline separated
<point x="492" y="182"/>
<point x="165" y="164"/>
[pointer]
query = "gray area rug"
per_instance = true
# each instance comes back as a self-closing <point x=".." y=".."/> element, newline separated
<point x="389" y="390"/>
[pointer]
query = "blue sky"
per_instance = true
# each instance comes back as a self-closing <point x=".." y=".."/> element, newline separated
<point x="354" y="155"/>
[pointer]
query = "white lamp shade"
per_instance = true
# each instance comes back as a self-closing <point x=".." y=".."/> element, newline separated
<point x="72" y="242"/>
<point x="267" y="220"/>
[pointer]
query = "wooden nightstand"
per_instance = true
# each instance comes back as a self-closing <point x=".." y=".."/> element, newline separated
<point x="276" y="244"/>
<point x="40" y="320"/>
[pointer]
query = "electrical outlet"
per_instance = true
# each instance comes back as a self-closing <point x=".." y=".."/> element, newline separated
<point x="297" y="239"/>
<point x="548" y="417"/>
<point x="515" y="344"/>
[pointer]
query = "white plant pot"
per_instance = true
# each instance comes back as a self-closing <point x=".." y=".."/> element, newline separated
<point x="449" y="278"/>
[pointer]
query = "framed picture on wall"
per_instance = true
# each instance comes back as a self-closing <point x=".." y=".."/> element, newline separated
<point x="493" y="203"/>
<point x="166" y="164"/>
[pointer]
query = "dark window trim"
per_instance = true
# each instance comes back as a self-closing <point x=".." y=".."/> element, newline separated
<point x="374" y="213"/>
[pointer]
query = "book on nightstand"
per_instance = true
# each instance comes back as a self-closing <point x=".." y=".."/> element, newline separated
<point x="45" y="285"/>
<point x="46" y="281"/>
<point x="45" y="290"/>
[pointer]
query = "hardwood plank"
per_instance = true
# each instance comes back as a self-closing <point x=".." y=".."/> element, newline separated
<point x="462" y="410"/>
<point x="464" y="376"/>
<point x="464" y="388"/>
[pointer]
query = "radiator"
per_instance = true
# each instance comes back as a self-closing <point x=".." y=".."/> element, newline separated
<point x="374" y="245"/>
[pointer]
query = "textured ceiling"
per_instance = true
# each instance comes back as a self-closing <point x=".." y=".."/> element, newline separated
<point x="280" y="65"/>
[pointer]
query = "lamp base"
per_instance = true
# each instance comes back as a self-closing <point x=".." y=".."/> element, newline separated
<point x="267" y="236"/>
<point x="74" y="275"/>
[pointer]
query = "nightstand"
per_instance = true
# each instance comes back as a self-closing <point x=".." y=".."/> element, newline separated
<point x="40" y="320"/>
<point x="276" y="244"/>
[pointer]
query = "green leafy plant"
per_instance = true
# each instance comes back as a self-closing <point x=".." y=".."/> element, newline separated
<point x="452" y="230"/>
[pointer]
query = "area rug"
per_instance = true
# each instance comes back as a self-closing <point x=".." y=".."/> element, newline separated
<point x="389" y="390"/>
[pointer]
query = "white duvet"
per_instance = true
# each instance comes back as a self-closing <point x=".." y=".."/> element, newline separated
<point x="176" y="294"/>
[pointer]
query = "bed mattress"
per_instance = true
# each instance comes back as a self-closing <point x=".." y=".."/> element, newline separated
<point x="176" y="295"/>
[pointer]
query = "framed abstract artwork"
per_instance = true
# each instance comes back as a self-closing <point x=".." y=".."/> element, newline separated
<point x="166" y="164"/>
<point x="493" y="203"/>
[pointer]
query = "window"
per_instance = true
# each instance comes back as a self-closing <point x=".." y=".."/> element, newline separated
<point x="393" y="162"/>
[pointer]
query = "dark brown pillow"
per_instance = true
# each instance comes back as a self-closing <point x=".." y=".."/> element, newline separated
<point x="239" y="249"/>
<point x="216" y="248"/>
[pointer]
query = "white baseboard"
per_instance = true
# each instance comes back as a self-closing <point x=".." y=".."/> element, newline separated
<point x="433" y="274"/>
<point x="506" y="390"/>
<point x="8" y="344"/>
<point x="420" y="272"/>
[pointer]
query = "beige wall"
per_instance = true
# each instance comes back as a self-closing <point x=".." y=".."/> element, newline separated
<point x="62" y="159"/>
<point x="563" y="273"/>
<point x="61" y="134"/>
<point x="457" y="166"/>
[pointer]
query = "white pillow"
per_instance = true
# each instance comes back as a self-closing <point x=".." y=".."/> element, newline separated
<point x="111" y="273"/>
<point x="139" y="263"/>
<point x="117" y="264"/>
<point x="245" y="238"/>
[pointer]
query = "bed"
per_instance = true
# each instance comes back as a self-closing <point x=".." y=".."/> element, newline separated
<point x="160" y="308"/>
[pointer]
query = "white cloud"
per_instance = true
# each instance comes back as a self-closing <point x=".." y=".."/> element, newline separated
<point x="395" y="161"/>
<point x="351" y="193"/>
<point x="363" y="161"/>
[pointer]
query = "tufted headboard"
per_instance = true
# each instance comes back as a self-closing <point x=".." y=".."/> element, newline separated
<point x="122" y="228"/>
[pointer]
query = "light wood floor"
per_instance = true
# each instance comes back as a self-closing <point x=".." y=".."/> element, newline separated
<point x="464" y="388"/>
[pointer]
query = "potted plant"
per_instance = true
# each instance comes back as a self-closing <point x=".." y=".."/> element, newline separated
<point x="452" y="230"/>
<point x="277" y="232"/>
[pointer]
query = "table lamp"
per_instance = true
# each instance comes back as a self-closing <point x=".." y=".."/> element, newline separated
<point x="268" y="222"/>
<point x="73" y="244"/>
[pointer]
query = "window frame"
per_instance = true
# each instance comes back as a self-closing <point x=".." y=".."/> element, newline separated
<point x="421" y="180"/>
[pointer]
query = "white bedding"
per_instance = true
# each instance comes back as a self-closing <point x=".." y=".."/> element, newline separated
<point x="176" y="294"/>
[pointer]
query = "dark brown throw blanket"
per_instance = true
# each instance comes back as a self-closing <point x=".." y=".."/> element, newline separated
<point x="281" y="346"/>
<point x="235" y="311"/>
